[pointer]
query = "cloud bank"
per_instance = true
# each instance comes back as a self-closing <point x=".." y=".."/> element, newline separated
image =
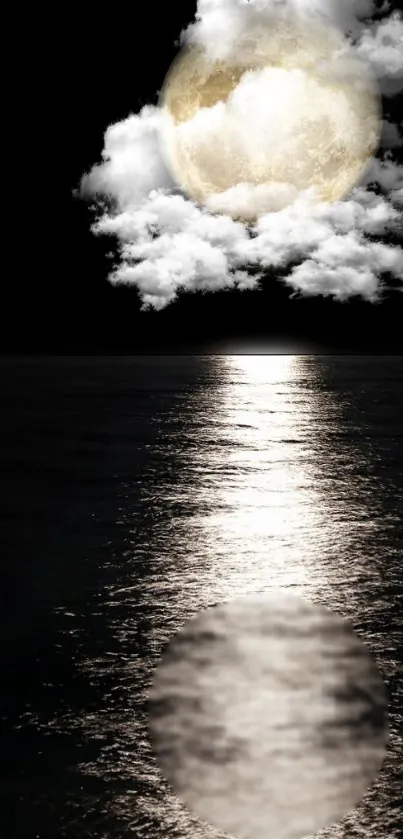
<point x="168" y="243"/>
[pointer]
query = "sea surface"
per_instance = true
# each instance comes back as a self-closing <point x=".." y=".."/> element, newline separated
<point x="138" y="491"/>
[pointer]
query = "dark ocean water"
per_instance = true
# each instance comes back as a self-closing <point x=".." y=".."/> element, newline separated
<point x="138" y="491"/>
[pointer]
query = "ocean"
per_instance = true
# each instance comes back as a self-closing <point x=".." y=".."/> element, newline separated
<point x="138" y="492"/>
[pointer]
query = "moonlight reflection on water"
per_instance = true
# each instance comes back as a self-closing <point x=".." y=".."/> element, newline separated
<point x="177" y="484"/>
<point x="268" y="717"/>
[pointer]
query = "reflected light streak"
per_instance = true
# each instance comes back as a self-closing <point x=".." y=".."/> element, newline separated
<point x="268" y="514"/>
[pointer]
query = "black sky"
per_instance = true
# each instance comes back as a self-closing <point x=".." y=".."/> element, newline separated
<point x="84" y="69"/>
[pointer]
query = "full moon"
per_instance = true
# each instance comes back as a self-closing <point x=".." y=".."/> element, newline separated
<point x="291" y="110"/>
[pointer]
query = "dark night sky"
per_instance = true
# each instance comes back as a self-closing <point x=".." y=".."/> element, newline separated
<point x="84" y="70"/>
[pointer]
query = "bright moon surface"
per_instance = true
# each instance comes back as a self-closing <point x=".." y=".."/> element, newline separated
<point x="291" y="109"/>
<point x="268" y="716"/>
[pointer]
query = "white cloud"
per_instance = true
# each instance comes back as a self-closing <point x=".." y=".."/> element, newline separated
<point x="397" y="197"/>
<point x="168" y="243"/>
<point x="341" y="282"/>
<point x="343" y="266"/>
<point x="385" y="173"/>
<point x="220" y="23"/>
<point x="132" y="162"/>
<point x="381" y="44"/>
<point x="247" y="200"/>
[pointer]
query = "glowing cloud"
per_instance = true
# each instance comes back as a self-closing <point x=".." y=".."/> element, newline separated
<point x="168" y="243"/>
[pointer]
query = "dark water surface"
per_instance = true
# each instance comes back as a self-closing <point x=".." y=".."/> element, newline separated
<point x="137" y="491"/>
